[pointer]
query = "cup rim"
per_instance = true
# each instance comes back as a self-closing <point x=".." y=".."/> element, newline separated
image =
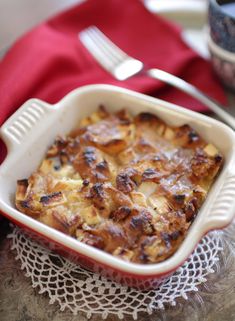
<point x="218" y="6"/>
<point x="219" y="51"/>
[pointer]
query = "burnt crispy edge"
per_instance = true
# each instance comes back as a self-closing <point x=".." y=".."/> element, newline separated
<point x="50" y="198"/>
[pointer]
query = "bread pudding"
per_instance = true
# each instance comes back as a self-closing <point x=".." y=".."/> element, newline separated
<point x="128" y="185"/>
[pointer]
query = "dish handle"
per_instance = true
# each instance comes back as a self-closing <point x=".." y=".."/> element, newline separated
<point x="33" y="115"/>
<point x="222" y="210"/>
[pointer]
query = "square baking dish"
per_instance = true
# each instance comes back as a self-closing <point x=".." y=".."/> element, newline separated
<point x="32" y="129"/>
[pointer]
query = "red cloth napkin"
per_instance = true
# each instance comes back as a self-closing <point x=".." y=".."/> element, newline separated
<point x="50" y="61"/>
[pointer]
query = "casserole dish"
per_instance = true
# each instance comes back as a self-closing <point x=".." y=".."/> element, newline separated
<point x="32" y="129"/>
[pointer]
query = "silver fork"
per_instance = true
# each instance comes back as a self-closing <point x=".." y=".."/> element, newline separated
<point x="122" y="67"/>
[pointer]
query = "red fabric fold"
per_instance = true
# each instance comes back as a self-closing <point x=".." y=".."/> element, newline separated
<point x="50" y="61"/>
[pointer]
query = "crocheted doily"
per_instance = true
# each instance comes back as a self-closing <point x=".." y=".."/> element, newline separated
<point x="77" y="289"/>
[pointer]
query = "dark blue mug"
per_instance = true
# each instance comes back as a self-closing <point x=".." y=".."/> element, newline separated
<point x="221" y="18"/>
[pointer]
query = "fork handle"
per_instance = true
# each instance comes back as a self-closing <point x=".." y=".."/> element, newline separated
<point x="194" y="92"/>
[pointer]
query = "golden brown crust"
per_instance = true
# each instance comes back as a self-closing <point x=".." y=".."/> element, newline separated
<point x="130" y="186"/>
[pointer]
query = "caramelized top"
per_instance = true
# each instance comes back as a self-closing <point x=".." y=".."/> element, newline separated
<point x="130" y="186"/>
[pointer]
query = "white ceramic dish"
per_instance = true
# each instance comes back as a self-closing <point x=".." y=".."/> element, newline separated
<point x="30" y="131"/>
<point x="219" y="51"/>
<point x="191" y="15"/>
<point x="223" y="62"/>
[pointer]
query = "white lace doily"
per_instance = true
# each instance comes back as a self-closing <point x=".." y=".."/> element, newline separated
<point x="77" y="289"/>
